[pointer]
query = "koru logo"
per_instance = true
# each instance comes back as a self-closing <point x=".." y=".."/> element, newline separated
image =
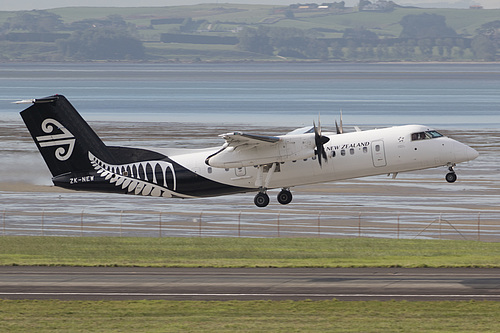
<point x="65" y="139"/>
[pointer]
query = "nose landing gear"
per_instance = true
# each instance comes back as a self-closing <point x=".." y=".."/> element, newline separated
<point x="451" y="176"/>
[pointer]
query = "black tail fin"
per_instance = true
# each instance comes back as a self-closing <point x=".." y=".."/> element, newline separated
<point x="62" y="136"/>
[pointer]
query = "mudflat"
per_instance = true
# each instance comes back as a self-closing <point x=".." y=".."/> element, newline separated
<point x="416" y="197"/>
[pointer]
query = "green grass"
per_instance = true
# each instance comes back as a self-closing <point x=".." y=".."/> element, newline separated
<point x="251" y="316"/>
<point x="246" y="252"/>
<point x="166" y="51"/>
<point x="142" y="15"/>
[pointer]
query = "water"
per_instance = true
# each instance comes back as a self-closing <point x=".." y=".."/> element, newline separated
<point x="439" y="95"/>
<point x="189" y="105"/>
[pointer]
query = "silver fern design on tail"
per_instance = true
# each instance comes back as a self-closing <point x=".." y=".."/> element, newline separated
<point x="148" y="178"/>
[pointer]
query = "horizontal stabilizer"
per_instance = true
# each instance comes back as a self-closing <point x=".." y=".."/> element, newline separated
<point x="49" y="99"/>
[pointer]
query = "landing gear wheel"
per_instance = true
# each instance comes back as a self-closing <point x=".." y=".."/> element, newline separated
<point x="285" y="197"/>
<point x="261" y="199"/>
<point x="451" y="177"/>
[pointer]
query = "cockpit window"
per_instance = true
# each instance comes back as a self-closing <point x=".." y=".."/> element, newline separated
<point x="418" y="136"/>
<point x="425" y="135"/>
<point x="433" y="134"/>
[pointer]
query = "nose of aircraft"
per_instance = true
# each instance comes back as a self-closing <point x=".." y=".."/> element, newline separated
<point x="464" y="153"/>
<point x="473" y="154"/>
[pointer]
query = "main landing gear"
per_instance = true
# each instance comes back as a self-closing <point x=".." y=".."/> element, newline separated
<point x="285" y="196"/>
<point x="451" y="176"/>
<point x="262" y="199"/>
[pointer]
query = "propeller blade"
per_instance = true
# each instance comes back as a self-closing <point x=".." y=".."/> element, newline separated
<point x="340" y="128"/>
<point x="319" y="141"/>
<point x="341" y="125"/>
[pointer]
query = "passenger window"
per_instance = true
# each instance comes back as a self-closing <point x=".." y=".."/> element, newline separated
<point x="377" y="148"/>
<point x="342" y="152"/>
<point x="365" y="149"/>
<point x="333" y="153"/>
<point x="351" y="151"/>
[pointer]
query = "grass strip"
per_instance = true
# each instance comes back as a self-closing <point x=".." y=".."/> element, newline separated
<point x="245" y="252"/>
<point x="260" y="316"/>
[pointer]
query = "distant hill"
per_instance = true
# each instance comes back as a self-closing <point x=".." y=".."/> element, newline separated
<point x="232" y="32"/>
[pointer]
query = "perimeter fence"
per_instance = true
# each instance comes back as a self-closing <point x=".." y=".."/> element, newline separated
<point x="469" y="226"/>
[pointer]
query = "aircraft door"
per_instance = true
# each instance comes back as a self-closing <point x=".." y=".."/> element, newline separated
<point x="378" y="153"/>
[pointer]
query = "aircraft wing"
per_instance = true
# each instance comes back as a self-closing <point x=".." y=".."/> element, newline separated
<point x="302" y="130"/>
<point x="241" y="150"/>
<point x="237" y="139"/>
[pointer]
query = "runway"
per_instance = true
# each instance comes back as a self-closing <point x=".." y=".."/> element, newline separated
<point x="216" y="284"/>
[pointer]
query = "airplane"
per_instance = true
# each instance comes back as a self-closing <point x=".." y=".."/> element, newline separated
<point x="79" y="160"/>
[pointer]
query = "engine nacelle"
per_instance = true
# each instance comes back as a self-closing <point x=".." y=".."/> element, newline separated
<point x="288" y="148"/>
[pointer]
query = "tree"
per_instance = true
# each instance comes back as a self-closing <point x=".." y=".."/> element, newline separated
<point x="425" y="26"/>
<point x="338" y="5"/>
<point x="287" y="37"/>
<point x="188" y="25"/>
<point x="448" y="45"/>
<point x="483" y="48"/>
<point x="297" y="43"/>
<point x="490" y="29"/>
<point x="486" y="43"/>
<point x="361" y="34"/>
<point x="289" y="14"/>
<point x="425" y="46"/>
<point x="112" y="21"/>
<point x="317" y="49"/>
<point x="337" y="52"/>
<point x="35" y="21"/>
<point x="102" y="44"/>
<point x="363" y="3"/>
<point x="256" y="40"/>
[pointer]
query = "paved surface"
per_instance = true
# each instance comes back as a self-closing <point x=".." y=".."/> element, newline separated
<point x="107" y="283"/>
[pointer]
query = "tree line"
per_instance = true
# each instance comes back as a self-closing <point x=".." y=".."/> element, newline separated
<point x="94" y="39"/>
<point x="423" y="37"/>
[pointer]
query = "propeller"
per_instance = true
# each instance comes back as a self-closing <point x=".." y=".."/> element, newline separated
<point x="340" y="129"/>
<point x="319" y="141"/>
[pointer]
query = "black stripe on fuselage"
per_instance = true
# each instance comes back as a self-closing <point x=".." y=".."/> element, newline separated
<point x="187" y="183"/>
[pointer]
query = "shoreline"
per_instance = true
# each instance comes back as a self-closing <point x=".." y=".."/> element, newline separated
<point x="250" y="61"/>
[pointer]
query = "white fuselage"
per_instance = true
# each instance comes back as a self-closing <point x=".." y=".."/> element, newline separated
<point x="350" y="155"/>
<point x="79" y="160"/>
